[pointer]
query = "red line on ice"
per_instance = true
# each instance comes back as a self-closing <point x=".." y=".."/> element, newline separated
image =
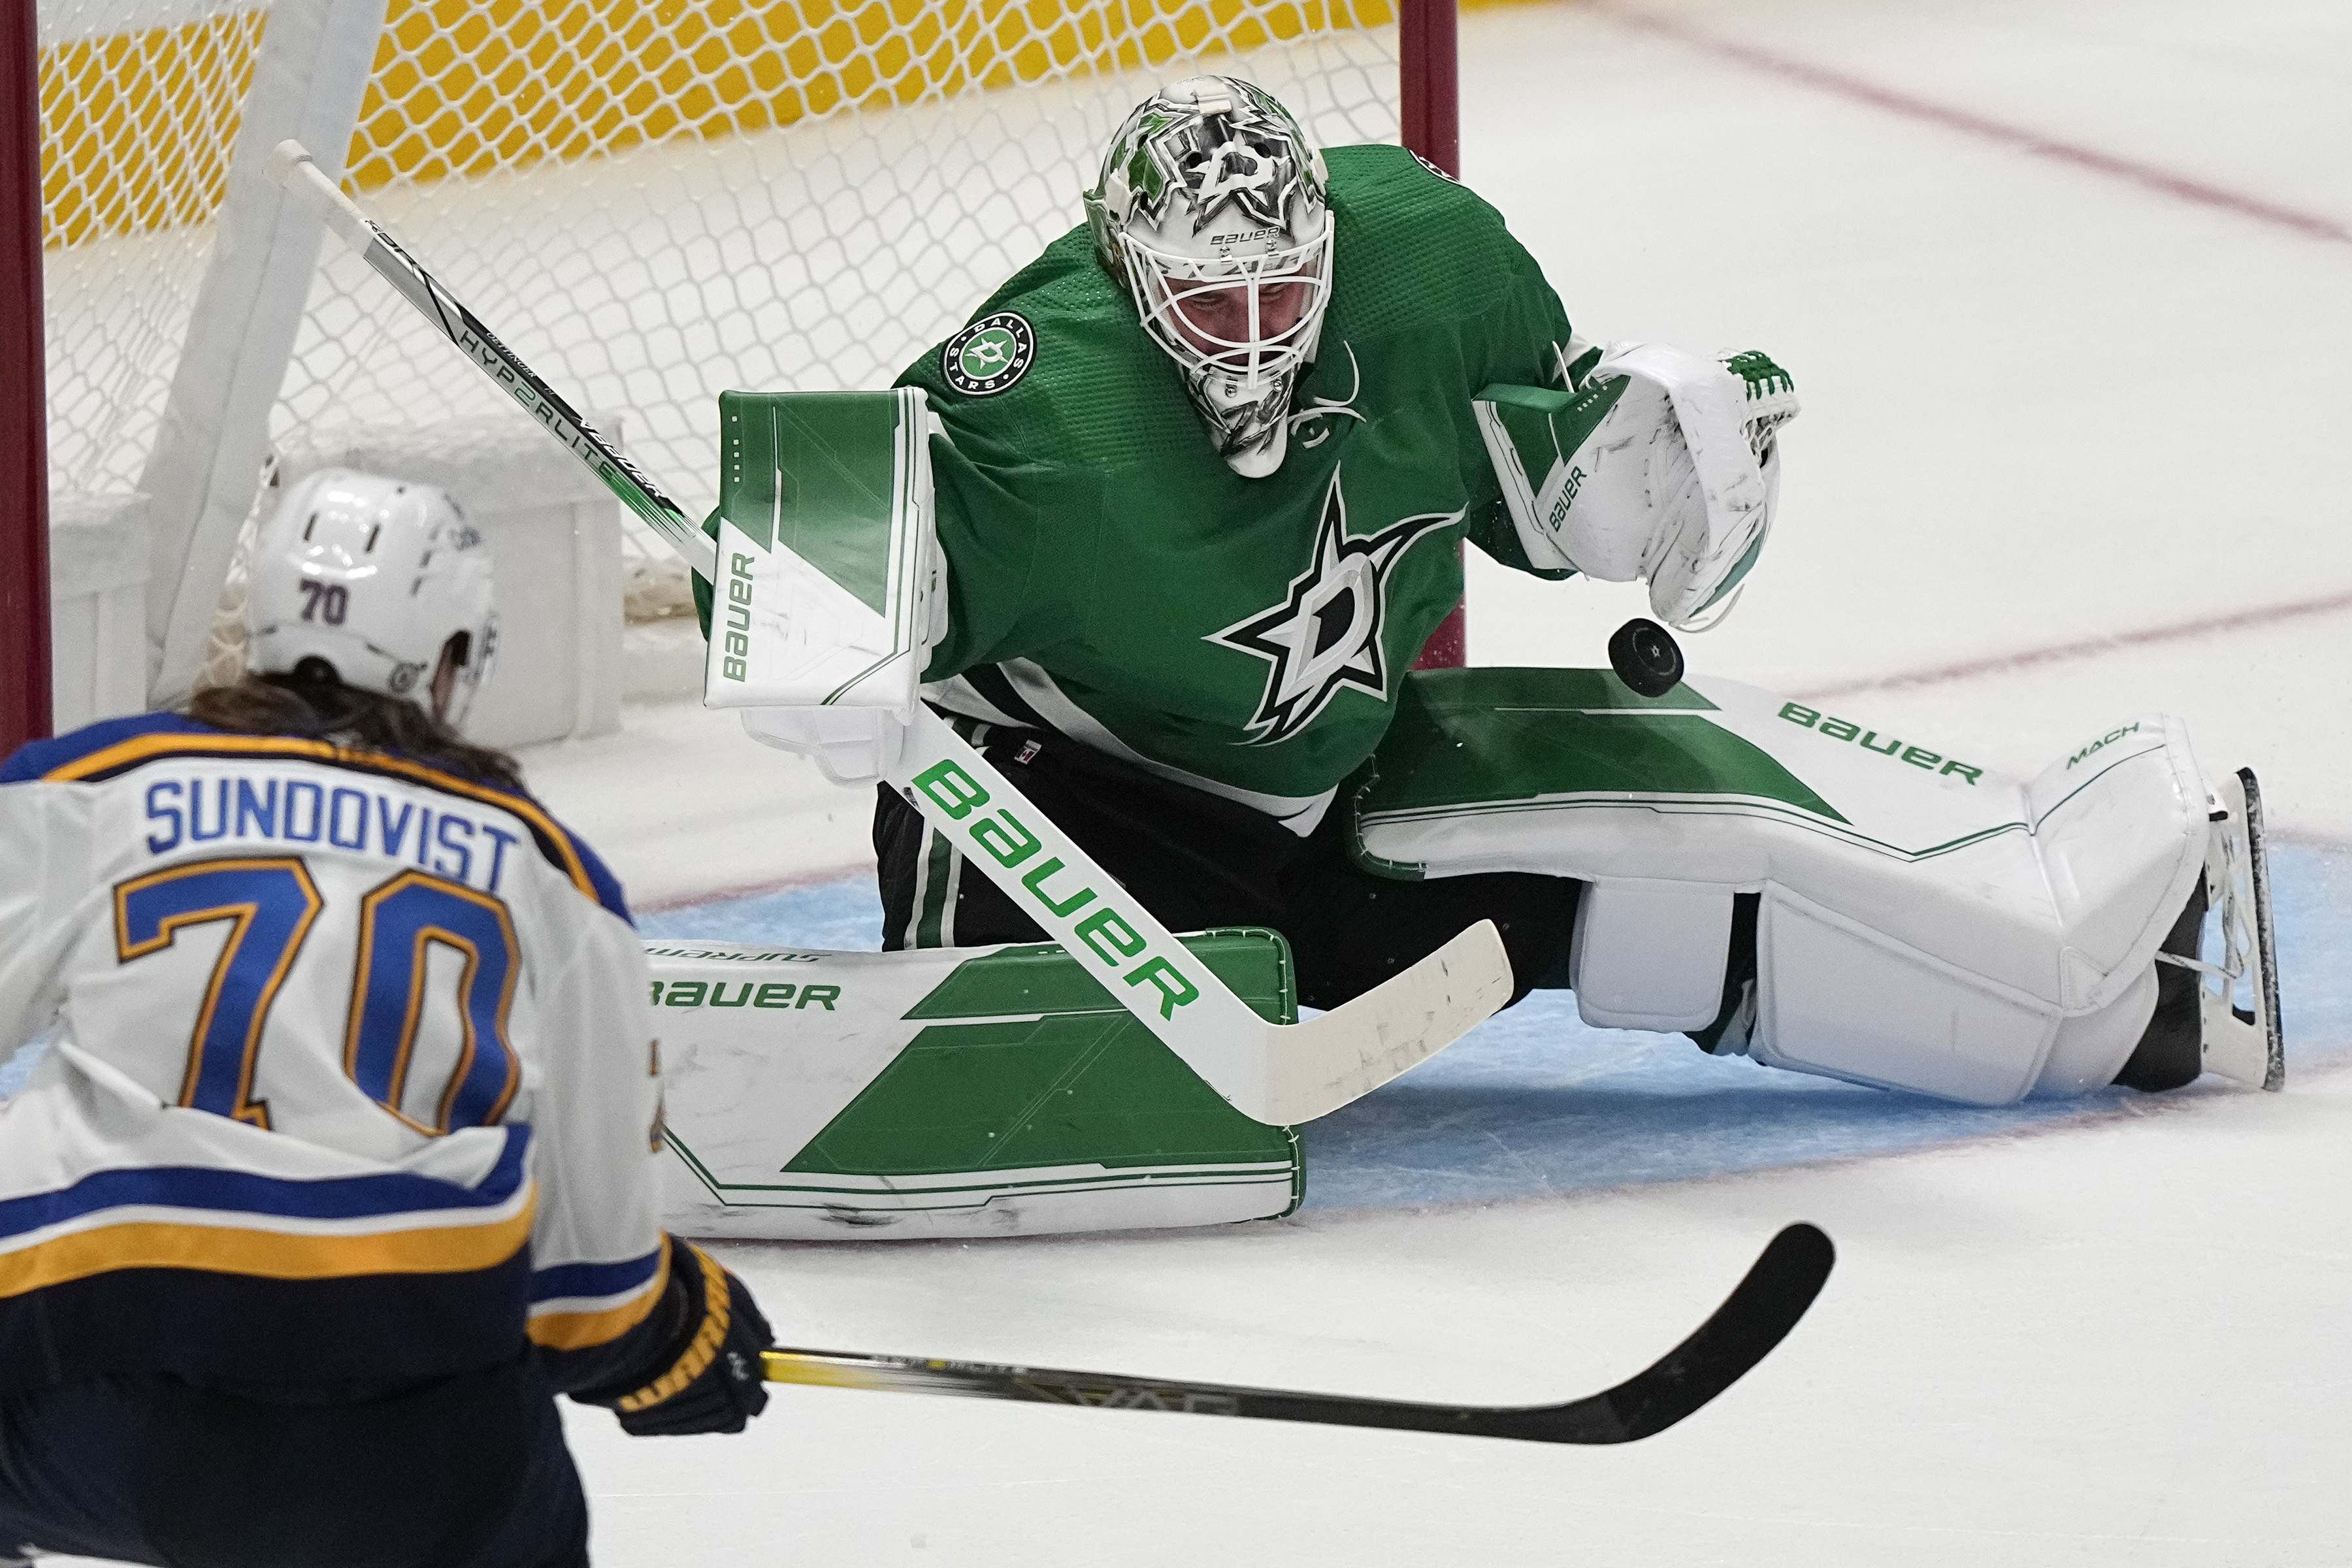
<point x="2255" y="618"/>
<point x="2147" y="176"/>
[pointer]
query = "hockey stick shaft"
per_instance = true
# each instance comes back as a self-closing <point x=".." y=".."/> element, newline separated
<point x="292" y="167"/>
<point x="1756" y="1317"/>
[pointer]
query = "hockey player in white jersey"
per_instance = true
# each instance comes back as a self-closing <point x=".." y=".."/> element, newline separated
<point x="339" y="1162"/>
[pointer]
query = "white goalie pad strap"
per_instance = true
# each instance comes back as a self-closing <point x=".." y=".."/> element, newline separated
<point x="830" y="591"/>
<point x="1650" y="955"/>
<point x="1926" y="922"/>
<point x="944" y="1091"/>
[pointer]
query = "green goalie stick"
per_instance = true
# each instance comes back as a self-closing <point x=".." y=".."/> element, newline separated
<point x="1756" y="1316"/>
<point x="1280" y="1074"/>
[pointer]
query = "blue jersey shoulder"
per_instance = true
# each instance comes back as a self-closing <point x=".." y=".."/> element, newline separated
<point x="558" y="843"/>
<point x="38" y="759"/>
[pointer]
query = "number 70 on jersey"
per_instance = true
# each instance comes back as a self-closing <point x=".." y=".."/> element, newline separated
<point x="269" y="906"/>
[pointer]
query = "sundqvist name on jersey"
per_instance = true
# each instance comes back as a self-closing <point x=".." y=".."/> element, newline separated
<point x="208" y="805"/>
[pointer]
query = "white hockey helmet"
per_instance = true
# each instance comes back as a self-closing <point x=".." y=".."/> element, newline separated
<point x="1212" y="209"/>
<point x="383" y="580"/>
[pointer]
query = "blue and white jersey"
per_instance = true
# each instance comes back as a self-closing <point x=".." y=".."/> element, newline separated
<point x="350" y="1076"/>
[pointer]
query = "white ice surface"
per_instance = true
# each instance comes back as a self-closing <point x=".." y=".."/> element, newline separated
<point x="2042" y="406"/>
<point x="2119" y="1343"/>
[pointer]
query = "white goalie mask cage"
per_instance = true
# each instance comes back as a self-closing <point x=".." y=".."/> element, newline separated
<point x="1212" y="209"/>
<point x="379" y="578"/>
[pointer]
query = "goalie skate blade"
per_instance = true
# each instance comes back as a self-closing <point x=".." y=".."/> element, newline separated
<point x="1756" y="1316"/>
<point x="2246" y="1047"/>
<point x="2266" y="985"/>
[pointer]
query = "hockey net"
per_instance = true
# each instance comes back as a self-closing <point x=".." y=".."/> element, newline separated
<point x="651" y="200"/>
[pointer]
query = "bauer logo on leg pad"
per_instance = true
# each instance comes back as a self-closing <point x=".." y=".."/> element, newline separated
<point x="1838" y="729"/>
<point x="776" y="994"/>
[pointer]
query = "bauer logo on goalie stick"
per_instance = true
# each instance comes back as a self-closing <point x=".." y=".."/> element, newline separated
<point x="989" y="355"/>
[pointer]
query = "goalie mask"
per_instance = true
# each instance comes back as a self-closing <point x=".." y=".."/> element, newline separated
<point x="383" y="580"/>
<point x="1212" y="210"/>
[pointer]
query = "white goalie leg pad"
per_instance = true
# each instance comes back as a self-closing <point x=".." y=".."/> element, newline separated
<point x="945" y="1092"/>
<point x="1924" y="924"/>
<point x="2091" y="1048"/>
<point x="2118" y="834"/>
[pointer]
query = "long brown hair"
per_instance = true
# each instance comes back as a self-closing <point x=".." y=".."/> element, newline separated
<point x="311" y="702"/>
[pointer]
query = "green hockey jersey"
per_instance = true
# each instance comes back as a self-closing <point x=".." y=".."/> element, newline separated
<point x="1112" y="579"/>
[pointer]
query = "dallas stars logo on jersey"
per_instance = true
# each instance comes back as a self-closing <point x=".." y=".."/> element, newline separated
<point x="1326" y="633"/>
<point x="989" y="355"/>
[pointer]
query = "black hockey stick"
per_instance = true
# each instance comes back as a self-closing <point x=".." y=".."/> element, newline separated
<point x="1756" y="1316"/>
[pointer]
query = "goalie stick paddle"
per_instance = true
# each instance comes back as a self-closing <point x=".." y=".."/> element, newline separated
<point x="292" y="167"/>
<point x="1279" y="1074"/>
<point x="1756" y="1316"/>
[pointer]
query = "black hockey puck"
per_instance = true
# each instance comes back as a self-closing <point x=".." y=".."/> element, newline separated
<point x="1645" y="657"/>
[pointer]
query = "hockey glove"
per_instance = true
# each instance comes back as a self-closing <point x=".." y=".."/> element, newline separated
<point x="1655" y="465"/>
<point x="709" y="1378"/>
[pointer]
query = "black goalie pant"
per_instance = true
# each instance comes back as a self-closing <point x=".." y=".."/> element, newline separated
<point x="1198" y="861"/>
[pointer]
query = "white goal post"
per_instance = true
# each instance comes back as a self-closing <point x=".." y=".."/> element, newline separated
<point x="656" y="200"/>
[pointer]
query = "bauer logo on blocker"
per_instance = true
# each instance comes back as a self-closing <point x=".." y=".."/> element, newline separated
<point x="989" y="355"/>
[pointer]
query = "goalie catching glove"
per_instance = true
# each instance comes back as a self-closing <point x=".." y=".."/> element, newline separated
<point x="1655" y="466"/>
<point x="706" y="1375"/>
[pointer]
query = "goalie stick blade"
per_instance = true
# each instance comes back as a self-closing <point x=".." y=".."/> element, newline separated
<point x="1756" y="1316"/>
<point x="1315" y="1068"/>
